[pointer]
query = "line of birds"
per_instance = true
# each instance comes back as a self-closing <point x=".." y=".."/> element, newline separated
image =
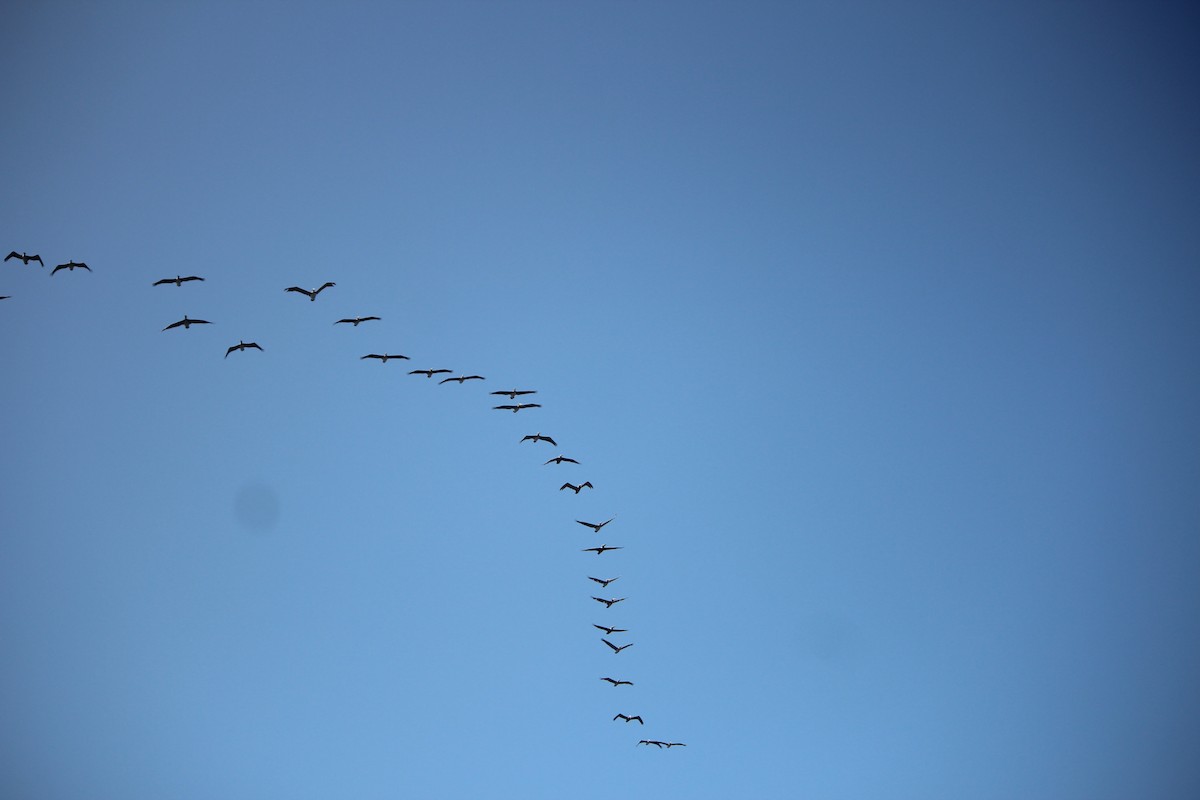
<point x="512" y="394"/>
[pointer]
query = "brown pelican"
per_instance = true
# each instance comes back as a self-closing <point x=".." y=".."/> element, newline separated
<point x="428" y="373"/>
<point x="511" y="394"/>
<point x="537" y="437"/>
<point x="25" y="258"/>
<point x="355" y="320"/>
<point x="383" y="357"/>
<point x="311" y="293"/>
<point x="616" y="649"/>
<point x="608" y="603"/>
<point x="177" y="280"/>
<point x="187" y="323"/>
<point x="616" y="682"/>
<point x="594" y="526"/>
<point x="628" y="718"/>
<point x="241" y="347"/>
<point x="561" y="459"/>
<point x="517" y="407"/>
<point x="462" y="378"/>
<point x="610" y="631"/>
<point x="604" y="582"/>
<point x="601" y="549"/>
<point x="578" y="488"/>
<point x="657" y="744"/>
<point x="71" y="266"/>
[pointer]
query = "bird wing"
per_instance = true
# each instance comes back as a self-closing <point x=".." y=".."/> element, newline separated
<point x="302" y="291"/>
<point x="610" y="680"/>
<point x="56" y="269"/>
<point x="364" y="319"/>
<point x="13" y="254"/>
<point x="638" y="718"/>
<point x="613" y="646"/>
<point x="164" y="280"/>
<point x="474" y="378"/>
<point x="230" y="350"/>
<point x="447" y="380"/>
<point x="375" y="355"/>
<point x="323" y="287"/>
<point x="587" y="484"/>
<point x="191" y="278"/>
<point x="567" y="486"/>
<point x="341" y="320"/>
<point x="173" y="325"/>
<point x="600" y="581"/>
<point x="85" y="266"/>
<point x="37" y="259"/>
<point x="588" y="524"/>
<point x="255" y="345"/>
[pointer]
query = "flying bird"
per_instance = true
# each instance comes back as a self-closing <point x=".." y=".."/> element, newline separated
<point x="517" y="407"/>
<point x="511" y="394"/>
<point x="428" y="373"/>
<point x="187" y="323"/>
<point x="25" y="258"/>
<point x="312" y="293"/>
<point x="601" y="549"/>
<point x="241" y="347"/>
<point x="561" y="459"/>
<point x="537" y="437"/>
<point x="594" y="526"/>
<point x="657" y="744"/>
<point x="71" y="266"/>
<point x="462" y="378"/>
<point x="610" y="631"/>
<point x="616" y="649"/>
<point x="608" y="603"/>
<point x="629" y="718"/>
<point x="177" y="280"/>
<point x="604" y="582"/>
<point x="355" y="320"/>
<point x="578" y="488"/>
<point x="383" y="357"/>
<point x="616" y="682"/>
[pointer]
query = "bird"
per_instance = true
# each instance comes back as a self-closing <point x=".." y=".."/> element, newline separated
<point x="462" y="378"/>
<point x="537" y="437"/>
<point x="657" y="744"/>
<point x="604" y="582"/>
<point x="616" y="682"/>
<point x="674" y="744"/>
<point x="561" y="459"/>
<point x="428" y="373"/>
<point x="594" y="526"/>
<point x="177" y="280"/>
<point x="5" y="296"/>
<point x="511" y="394"/>
<point x="355" y="320"/>
<point x="608" y="603"/>
<point x="25" y="258"/>
<point x="601" y="549"/>
<point x="578" y="488"/>
<point x="610" y="631"/>
<point x="383" y="358"/>
<point x="70" y="266"/>
<point x="241" y="346"/>
<point x="187" y="323"/>
<point x="517" y="407"/>
<point x="312" y="293"/>
<point x="616" y="649"/>
<point x="628" y="718"/>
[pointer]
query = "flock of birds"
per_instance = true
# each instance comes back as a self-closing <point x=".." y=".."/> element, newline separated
<point x="514" y="406"/>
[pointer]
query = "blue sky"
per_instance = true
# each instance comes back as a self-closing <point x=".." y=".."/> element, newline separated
<point x="874" y="326"/>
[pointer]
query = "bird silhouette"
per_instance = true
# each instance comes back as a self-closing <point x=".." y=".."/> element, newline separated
<point x="578" y="488"/>
<point x="608" y="603"/>
<point x="601" y="549"/>
<point x="355" y="320"/>
<point x="616" y="682"/>
<point x="311" y="293"/>
<point x="187" y="323"/>
<point x="616" y="649"/>
<point x="428" y="373"/>
<point x="517" y="407"/>
<point x="610" y="631"/>
<point x="25" y="258"/>
<point x="512" y="394"/>
<point x="241" y="347"/>
<point x="383" y="357"/>
<point x="537" y="437"/>
<point x="593" y="525"/>
<point x="604" y="582"/>
<point x="70" y="266"/>
<point x="628" y="718"/>
<point x="462" y="378"/>
<point x="561" y="459"/>
<point x="177" y="280"/>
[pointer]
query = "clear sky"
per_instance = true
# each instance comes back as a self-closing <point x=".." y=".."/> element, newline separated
<point x="874" y="325"/>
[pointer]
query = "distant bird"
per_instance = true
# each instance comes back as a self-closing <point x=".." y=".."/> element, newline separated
<point x="5" y="296"/>
<point x="578" y="488"/>
<point x="312" y="293"/>
<point x="177" y="280"/>
<point x="537" y="437"/>
<point x="511" y="394"/>
<point x="71" y="267"/>
<point x="428" y="373"/>
<point x="616" y="682"/>
<point x="657" y="744"/>
<point x="601" y="549"/>
<point x="355" y="320"/>
<point x="604" y="582"/>
<point x="517" y="407"/>
<point x="616" y="649"/>
<point x="561" y="459"/>
<point x="609" y="603"/>
<point x="610" y="631"/>
<point x="383" y="357"/>
<point x="594" y="526"/>
<point x="25" y="258"/>
<point x="462" y="378"/>
<point x="674" y="744"/>
<point x="241" y="347"/>
<point x="629" y="718"/>
<point x="187" y="323"/>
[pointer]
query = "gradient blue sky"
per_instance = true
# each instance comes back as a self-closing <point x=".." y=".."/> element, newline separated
<point x="874" y="324"/>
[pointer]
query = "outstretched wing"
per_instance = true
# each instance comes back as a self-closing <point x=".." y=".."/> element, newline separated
<point x="13" y="254"/>
<point x="173" y="325"/>
<point x="613" y="646"/>
<point x="56" y="269"/>
<point x="230" y="350"/>
<point x="323" y="287"/>
<point x="304" y="292"/>
<point x="160" y="283"/>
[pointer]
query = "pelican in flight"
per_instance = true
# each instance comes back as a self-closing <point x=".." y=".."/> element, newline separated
<point x="610" y="631"/>
<point x="355" y="320"/>
<point x="608" y="603"/>
<point x="561" y="459"/>
<point x="578" y="488"/>
<point x="241" y="347"/>
<point x="616" y="649"/>
<point x="628" y="718"/>
<point x="177" y="280"/>
<point x="311" y="293"/>
<point x="537" y="437"/>
<point x="512" y="394"/>
<point x="593" y="525"/>
<point x="383" y="357"/>
<point x="517" y="407"/>
<point x="462" y="378"/>
<point x="187" y="323"/>
<point x="25" y="258"/>
<point x="71" y="267"/>
<point x="428" y="373"/>
<point x="616" y="682"/>
<point x="604" y="582"/>
<point x="598" y="550"/>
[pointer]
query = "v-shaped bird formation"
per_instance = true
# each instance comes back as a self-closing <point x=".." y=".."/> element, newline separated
<point x="462" y="378"/>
